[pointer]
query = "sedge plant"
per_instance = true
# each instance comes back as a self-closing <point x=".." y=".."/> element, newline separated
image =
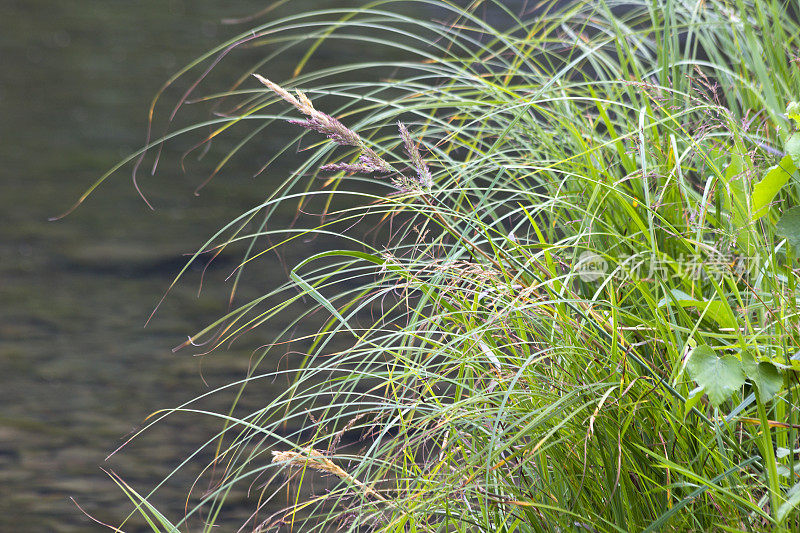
<point x="563" y="295"/>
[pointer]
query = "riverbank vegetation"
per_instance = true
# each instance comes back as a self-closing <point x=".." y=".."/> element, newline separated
<point x="563" y="295"/>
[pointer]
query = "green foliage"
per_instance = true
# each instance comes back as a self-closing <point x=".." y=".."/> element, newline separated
<point x="718" y="376"/>
<point x="793" y="112"/>
<point x="789" y="226"/>
<point x="792" y="501"/>
<point x="765" y="190"/>
<point x="501" y="344"/>
<point x="764" y="375"/>
<point x="793" y="148"/>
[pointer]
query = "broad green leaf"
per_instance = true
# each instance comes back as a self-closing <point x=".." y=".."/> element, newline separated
<point x="719" y="376"/>
<point x="792" y="147"/>
<point x="734" y="168"/>
<point x="789" y="226"/>
<point x="766" y="189"/>
<point x="715" y="310"/>
<point x="793" y="111"/>
<point x="764" y="375"/>
<point x="792" y="500"/>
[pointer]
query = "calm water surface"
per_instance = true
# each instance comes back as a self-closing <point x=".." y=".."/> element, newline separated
<point x="78" y="372"/>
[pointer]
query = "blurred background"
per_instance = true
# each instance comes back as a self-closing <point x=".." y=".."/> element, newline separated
<point x="79" y="373"/>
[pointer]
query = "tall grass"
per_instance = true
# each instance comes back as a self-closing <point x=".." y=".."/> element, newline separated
<point x="513" y="341"/>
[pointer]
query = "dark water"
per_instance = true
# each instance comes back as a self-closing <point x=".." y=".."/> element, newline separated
<point x="78" y="372"/>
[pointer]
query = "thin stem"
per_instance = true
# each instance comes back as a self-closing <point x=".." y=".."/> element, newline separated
<point x="768" y="455"/>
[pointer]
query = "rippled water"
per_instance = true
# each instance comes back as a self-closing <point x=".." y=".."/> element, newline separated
<point x="78" y="372"/>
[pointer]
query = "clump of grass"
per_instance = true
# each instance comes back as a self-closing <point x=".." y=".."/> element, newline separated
<point x="580" y="311"/>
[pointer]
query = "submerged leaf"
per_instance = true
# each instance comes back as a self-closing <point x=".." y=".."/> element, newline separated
<point x="719" y="376"/>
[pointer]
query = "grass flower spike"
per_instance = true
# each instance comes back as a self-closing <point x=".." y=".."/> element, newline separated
<point x="330" y="127"/>
<point x="423" y="172"/>
<point x="314" y="459"/>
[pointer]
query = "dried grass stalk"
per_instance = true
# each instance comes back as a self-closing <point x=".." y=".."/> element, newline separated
<point x="311" y="458"/>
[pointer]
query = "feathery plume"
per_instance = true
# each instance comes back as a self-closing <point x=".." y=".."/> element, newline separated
<point x="280" y="91"/>
<point x="423" y="172"/>
<point x="311" y="458"/>
<point x="365" y="165"/>
<point x="328" y="126"/>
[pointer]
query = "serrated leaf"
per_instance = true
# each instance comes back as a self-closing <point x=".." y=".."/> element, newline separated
<point x="792" y="500"/>
<point x="773" y="181"/>
<point x="764" y="375"/>
<point x="719" y="376"/>
<point x="789" y="226"/>
<point x="792" y="148"/>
